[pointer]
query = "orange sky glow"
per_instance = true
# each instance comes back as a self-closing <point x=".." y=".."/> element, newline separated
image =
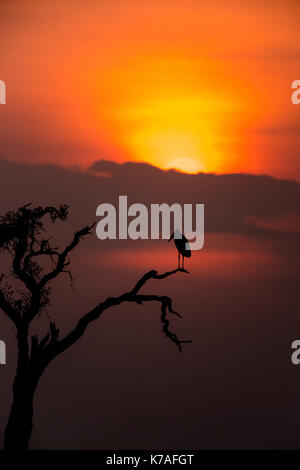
<point x="197" y="86"/>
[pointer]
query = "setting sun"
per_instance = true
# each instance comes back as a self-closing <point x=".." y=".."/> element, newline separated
<point x="187" y="165"/>
<point x="147" y="87"/>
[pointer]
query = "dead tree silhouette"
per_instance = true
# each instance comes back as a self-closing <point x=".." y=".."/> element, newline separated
<point x="21" y="234"/>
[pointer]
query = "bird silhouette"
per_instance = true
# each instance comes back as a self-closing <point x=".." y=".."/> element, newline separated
<point x="182" y="246"/>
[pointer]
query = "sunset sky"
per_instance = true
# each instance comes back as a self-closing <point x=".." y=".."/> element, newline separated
<point x="95" y="87"/>
<point x="195" y="85"/>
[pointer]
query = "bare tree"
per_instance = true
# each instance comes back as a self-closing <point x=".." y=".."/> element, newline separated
<point x="22" y="236"/>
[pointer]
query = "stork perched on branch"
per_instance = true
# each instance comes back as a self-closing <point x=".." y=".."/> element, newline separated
<point x="182" y="246"/>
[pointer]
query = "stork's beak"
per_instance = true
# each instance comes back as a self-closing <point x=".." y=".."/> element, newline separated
<point x="171" y="237"/>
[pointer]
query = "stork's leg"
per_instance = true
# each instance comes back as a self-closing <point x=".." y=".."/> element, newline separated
<point x="178" y="260"/>
<point x="182" y="262"/>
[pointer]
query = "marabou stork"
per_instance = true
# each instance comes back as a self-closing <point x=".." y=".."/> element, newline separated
<point x="182" y="246"/>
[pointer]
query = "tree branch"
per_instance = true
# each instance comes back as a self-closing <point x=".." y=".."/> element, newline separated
<point x="62" y="257"/>
<point x="8" y="309"/>
<point x="56" y="346"/>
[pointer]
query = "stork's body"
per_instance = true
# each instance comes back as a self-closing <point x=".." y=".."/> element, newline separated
<point x="182" y="246"/>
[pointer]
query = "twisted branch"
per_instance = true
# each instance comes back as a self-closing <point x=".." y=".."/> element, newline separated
<point x="51" y="346"/>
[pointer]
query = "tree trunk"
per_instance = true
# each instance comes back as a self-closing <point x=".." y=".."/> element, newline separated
<point x="19" y="426"/>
